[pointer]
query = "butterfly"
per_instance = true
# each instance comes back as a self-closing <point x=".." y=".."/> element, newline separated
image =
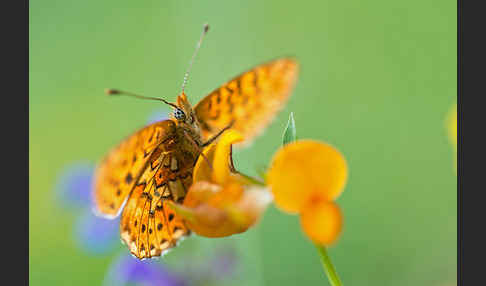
<point x="154" y="165"/>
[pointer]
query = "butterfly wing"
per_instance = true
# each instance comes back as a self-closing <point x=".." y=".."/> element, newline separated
<point x="118" y="172"/>
<point x="148" y="226"/>
<point x="250" y="101"/>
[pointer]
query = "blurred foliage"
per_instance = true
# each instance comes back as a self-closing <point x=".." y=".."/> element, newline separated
<point x="377" y="80"/>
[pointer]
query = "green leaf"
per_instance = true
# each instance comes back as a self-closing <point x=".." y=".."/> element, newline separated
<point x="290" y="133"/>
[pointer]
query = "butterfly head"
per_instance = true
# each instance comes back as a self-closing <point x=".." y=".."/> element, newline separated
<point x="183" y="111"/>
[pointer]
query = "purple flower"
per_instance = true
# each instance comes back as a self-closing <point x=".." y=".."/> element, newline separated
<point x="93" y="234"/>
<point x="96" y="235"/>
<point x="128" y="270"/>
<point x="75" y="185"/>
<point x="223" y="264"/>
<point x="211" y="267"/>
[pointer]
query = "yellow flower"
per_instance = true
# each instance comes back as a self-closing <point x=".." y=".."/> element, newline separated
<point x="305" y="169"/>
<point x="322" y="222"/>
<point x="221" y="202"/>
<point x="305" y="177"/>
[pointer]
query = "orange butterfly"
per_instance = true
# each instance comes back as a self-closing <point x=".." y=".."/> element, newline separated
<point x="154" y="165"/>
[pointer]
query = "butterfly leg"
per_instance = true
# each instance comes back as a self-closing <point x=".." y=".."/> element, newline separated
<point x="198" y="148"/>
<point x="211" y="140"/>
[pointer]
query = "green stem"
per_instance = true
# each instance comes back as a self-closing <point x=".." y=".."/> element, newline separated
<point x="328" y="267"/>
<point x="252" y="180"/>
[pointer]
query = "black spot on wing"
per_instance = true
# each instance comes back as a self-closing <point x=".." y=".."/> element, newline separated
<point x="128" y="178"/>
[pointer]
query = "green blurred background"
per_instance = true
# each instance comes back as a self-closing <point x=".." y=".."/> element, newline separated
<point x="377" y="80"/>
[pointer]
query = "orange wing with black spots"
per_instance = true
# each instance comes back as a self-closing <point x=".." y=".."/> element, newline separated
<point x="119" y="171"/>
<point x="148" y="226"/>
<point x="249" y="101"/>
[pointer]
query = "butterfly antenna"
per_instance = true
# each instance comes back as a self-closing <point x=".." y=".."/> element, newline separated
<point x="120" y="92"/>
<point x="186" y="75"/>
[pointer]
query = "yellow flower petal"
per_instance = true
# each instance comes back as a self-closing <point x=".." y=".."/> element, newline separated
<point x="322" y="222"/>
<point x="211" y="210"/>
<point x="222" y="156"/>
<point x="202" y="169"/>
<point x="306" y="169"/>
<point x="218" y="154"/>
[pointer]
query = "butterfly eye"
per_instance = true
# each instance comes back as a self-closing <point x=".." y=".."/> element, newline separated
<point x="179" y="114"/>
